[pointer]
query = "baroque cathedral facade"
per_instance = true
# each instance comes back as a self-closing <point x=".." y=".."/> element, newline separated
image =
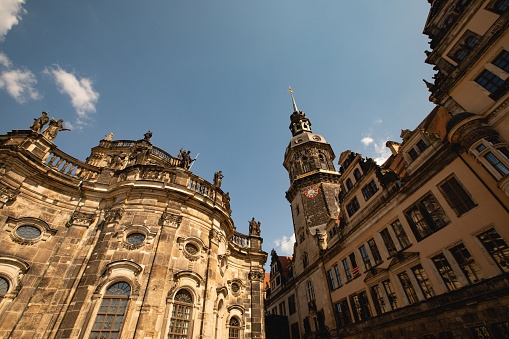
<point x="417" y="247"/>
<point x="129" y="244"/>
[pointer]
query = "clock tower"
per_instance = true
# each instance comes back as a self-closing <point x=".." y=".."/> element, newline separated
<point x="314" y="185"/>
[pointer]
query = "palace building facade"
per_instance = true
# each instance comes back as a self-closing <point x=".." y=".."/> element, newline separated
<point x="417" y="247"/>
<point x="129" y="244"/>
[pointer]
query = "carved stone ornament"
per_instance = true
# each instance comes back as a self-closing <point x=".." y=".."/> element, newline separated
<point x="7" y="194"/>
<point x="82" y="219"/>
<point x="113" y="215"/>
<point x="120" y="270"/>
<point x="28" y="231"/>
<point x="236" y="286"/>
<point x="171" y="220"/>
<point x="191" y="247"/>
<point x="222" y="262"/>
<point x="256" y="276"/>
<point x="216" y="236"/>
<point x="135" y="236"/>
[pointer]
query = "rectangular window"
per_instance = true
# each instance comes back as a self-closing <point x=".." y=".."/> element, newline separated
<point x="421" y="145"/>
<point x="295" y="331"/>
<point x="413" y="154"/>
<point x="400" y="234"/>
<point x="378" y="299"/>
<point x="365" y="257"/>
<point x="338" y="275"/>
<point x="467" y="264"/>
<point x="389" y="244"/>
<point x="332" y="282"/>
<point x="489" y="81"/>
<point x="426" y="217"/>
<point x="446" y="272"/>
<point x="374" y="251"/>
<point x="311" y="292"/>
<point x="342" y="313"/>
<point x="456" y="196"/>
<point x="423" y="281"/>
<point x="346" y="266"/>
<point x="355" y="267"/>
<point x="408" y="287"/>
<point x="291" y="304"/>
<point x="360" y="306"/>
<point x="497" y="163"/>
<point x="496" y="247"/>
<point x="369" y="190"/>
<point x="393" y="300"/>
<point x="353" y="206"/>
<point x="502" y="61"/>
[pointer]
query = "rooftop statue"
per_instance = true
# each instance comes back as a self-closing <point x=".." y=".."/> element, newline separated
<point x="39" y="123"/>
<point x="254" y="227"/>
<point x="148" y="136"/>
<point x="218" y="177"/>
<point x="53" y="128"/>
<point x="185" y="159"/>
<point x="109" y="137"/>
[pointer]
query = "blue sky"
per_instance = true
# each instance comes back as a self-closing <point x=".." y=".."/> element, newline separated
<point x="213" y="77"/>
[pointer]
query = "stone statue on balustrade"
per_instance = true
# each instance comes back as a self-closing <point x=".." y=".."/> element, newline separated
<point x="185" y="159"/>
<point x="117" y="160"/>
<point x="147" y="136"/>
<point x="39" y="123"/>
<point x="109" y="137"/>
<point x="140" y="154"/>
<point x="53" y="128"/>
<point x="254" y="228"/>
<point x="218" y="177"/>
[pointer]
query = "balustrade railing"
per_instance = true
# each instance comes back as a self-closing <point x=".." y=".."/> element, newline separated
<point x="240" y="239"/>
<point x="201" y="186"/>
<point x="66" y="164"/>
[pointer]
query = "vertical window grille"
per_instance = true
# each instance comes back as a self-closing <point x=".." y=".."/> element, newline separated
<point x="365" y="257"/>
<point x="467" y="264"/>
<point x="496" y="247"/>
<point x="496" y="163"/>
<point x="349" y="184"/>
<point x="311" y="291"/>
<point x="353" y="206"/>
<point x="471" y="42"/>
<point x="423" y="281"/>
<point x="502" y="61"/>
<point x="456" y="196"/>
<point x="489" y="81"/>
<point x="346" y="267"/>
<point x="413" y="154"/>
<point x="112" y="312"/>
<point x="360" y="306"/>
<point x="400" y="234"/>
<point x="234" y="332"/>
<point x="181" y="316"/>
<point x="338" y="275"/>
<point x="369" y="190"/>
<point x="446" y="272"/>
<point x="343" y="313"/>
<point x="357" y="174"/>
<point x="426" y="217"/>
<point x="408" y="288"/>
<point x="389" y="244"/>
<point x="421" y="145"/>
<point x="332" y="282"/>
<point x="374" y="251"/>
<point x="378" y="299"/>
<point x="393" y="300"/>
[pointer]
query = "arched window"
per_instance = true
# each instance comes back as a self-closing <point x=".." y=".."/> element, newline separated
<point x="357" y="174"/>
<point x="112" y="311"/>
<point x="349" y="184"/>
<point x="4" y="287"/>
<point x="181" y="316"/>
<point x="234" y="332"/>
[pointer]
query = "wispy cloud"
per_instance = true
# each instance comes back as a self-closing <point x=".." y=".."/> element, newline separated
<point x="284" y="245"/>
<point x="79" y="89"/>
<point x="10" y="15"/>
<point x="367" y="140"/>
<point x="381" y="152"/>
<point x="19" y="83"/>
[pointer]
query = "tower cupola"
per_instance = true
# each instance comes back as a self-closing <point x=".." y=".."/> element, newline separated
<point x="299" y="122"/>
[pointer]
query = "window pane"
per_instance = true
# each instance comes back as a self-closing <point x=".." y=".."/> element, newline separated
<point x="446" y="272"/>
<point x="400" y="234"/>
<point x="408" y="288"/>
<point x="496" y="247"/>
<point x="467" y="264"/>
<point x="489" y="81"/>
<point x="389" y="244"/>
<point x="456" y="196"/>
<point x="374" y="251"/>
<point x="423" y="281"/>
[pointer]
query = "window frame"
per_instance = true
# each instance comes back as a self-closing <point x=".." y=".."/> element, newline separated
<point x="465" y="198"/>
<point x="173" y="311"/>
<point x="99" y="314"/>
<point x="427" y="217"/>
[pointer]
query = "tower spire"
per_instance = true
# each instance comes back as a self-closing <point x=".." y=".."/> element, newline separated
<point x="295" y="109"/>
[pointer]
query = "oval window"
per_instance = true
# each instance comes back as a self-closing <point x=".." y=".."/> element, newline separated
<point x="28" y="232"/>
<point x="135" y="238"/>
<point x="191" y="248"/>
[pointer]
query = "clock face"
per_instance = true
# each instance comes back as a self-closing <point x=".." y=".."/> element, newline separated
<point x="311" y="192"/>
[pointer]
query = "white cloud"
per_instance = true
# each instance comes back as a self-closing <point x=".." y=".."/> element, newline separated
<point x="10" y="15"/>
<point x="19" y="83"/>
<point x="285" y="245"/>
<point x="367" y="140"/>
<point x="382" y="151"/>
<point x="5" y="61"/>
<point x="83" y="97"/>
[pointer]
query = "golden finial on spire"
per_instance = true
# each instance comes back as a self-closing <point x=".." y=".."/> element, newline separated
<point x="291" y="89"/>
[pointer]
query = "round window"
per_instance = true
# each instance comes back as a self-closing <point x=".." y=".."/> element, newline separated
<point x="28" y="232"/>
<point x="235" y="287"/>
<point x="135" y="238"/>
<point x="191" y="248"/>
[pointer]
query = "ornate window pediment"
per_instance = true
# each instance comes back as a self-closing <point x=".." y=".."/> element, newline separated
<point x="28" y="231"/>
<point x="236" y="286"/>
<point x="12" y="270"/>
<point x="192" y="247"/>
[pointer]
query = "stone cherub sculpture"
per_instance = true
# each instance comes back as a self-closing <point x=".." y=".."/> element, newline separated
<point x="254" y="227"/>
<point x="218" y="177"/>
<point x="109" y="137"/>
<point x="53" y="128"/>
<point x="39" y="123"/>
